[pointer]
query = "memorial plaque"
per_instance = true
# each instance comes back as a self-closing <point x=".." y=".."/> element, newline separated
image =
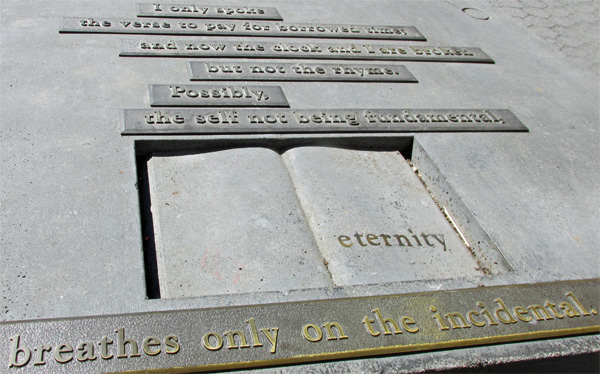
<point x="286" y="71"/>
<point x="238" y="28"/>
<point x="276" y="334"/>
<point x="213" y="95"/>
<point x="359" y="225"/>
<point x="311" y="50"/>
<point x="206" y="121"/>
<point x="207" y="11"/>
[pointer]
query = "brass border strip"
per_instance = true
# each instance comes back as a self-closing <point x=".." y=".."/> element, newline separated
<point x="369" y="352"/>
<point x="240" y="337"/>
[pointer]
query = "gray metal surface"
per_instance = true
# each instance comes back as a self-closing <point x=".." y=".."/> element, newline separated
<point x="207" y="11"/>
<point x="312" y="50"/>
<point x="287" y="71"/>
<point x="237" y="28"/>
<point x="197" y="95"/>
<point x="262" y="335"/>
<point x="206" y="121"/>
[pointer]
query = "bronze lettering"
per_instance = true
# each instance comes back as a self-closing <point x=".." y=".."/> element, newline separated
<point x="438" y="318"/>
<point x="521" y="313"/>
<point x="343" y="239"/>
<point x="104" y="343"/>
<point x="254" y="332"/>
<point x="368" y="325"/>
<point x="384" y="323"/>
<point x="208" y="345"/>
<point x="16" y="350"/>
<point x="151" y="342"/>
<point x="313" y="337"/>
<point x="122" y="342"/>
<point x="172" y="343"/>
<point x="406" y="321"/>
<point x="539" y="312"/>
<point x="338" y="328"/>
<point x="62" y="349"/>
<point x="506" y="317"/>
<point x="39" y="354"/>
<point x="453" y="317"/>
<point x="271" y="335"/>
<point x="231" y="338"/>
<point x="472" y="319"/>
<point x="85" y="352"/>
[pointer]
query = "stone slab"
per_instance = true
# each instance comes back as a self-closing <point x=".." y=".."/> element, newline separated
<point x="207" y="11"/>
<point x="287" y="71"/>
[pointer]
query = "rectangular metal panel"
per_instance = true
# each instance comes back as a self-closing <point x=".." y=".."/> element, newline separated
<point x="188" y="341"/>
<point x="214" y="95"/>
<point x="207" y="11"/>
<point x="312" y="50"/>
<point x="225" y="121"/>
<point x="237" y="28"/>
<point x="286" y="71"/>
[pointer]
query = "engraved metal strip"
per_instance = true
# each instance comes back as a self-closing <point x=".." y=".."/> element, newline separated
<point x="286" y="71"/>
<point x="216" y="96"/>
<point x="310" y="50"/>
<point x="249" y="121"/>
<point x="207" y="11"/>
<point x="275" y="334"/>
<point x="237" y="28"/>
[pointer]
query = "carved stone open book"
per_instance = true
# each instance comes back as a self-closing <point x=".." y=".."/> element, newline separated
<point x="252" y="219"/>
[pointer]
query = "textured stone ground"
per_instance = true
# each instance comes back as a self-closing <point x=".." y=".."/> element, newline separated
<point x="572" y="26"/>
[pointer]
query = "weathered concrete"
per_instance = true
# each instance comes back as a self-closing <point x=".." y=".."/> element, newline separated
<point x="571" y="26"/>
<point x="71" y="233"/>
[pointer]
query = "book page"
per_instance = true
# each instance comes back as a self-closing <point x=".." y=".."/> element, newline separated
<point x="229" y="222"/>
<point x="373" y="219"/>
